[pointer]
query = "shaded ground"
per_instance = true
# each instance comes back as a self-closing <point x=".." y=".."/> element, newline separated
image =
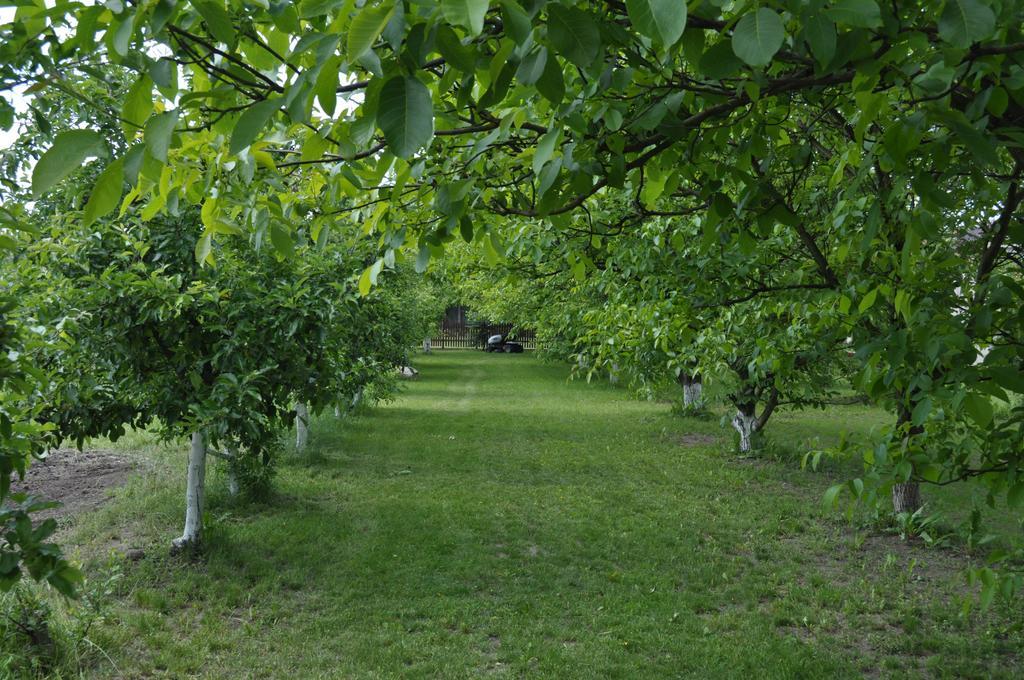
<point x="80" y="480"/>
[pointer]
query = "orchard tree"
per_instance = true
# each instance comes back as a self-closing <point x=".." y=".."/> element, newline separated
<point x="217" y="353"/>
<point x="23" y="543"/>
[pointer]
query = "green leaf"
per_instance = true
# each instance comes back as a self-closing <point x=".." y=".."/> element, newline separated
<point x="663" y="21"/>
<point x="820" y="33"/>
<point x="369" y="277"/>
<point x="573" y="34"/>
<point x="366" y="28"/>
<point x="719" y="61"/>
<point x="405" y="114"/>
<point x="998" y="102"/>
<point x="217" y="20"/>
<point x="41" y="121"/>
<point x="67" y="154"/>
<point x="252" y="122"/>
<point x="123" y="35"/>
<point x="282" y="240"/>
<point x="422" y="258"/>
<point x="203" y="247"/>
<point x="921" y="411"/>
<point x="138" y="104"/>
<point x="831" y="496"/>
<point x="316" y="8"/>
<point x="531" y="68"/>
<point x="936" y="79"/>
<point x="545" y="147"/>
<point x="466" y="13"/>
<point x="867" y="300"/>
<point x="213" y="224"/>
<point x="857" y="487"/>
<point x="453" y="51"/>
<point x="964" y="22"/>
<point x="758" y="36"/>
<point x="158" y="133"/>
<point x="988" y="589"/>
<point x="466" y="228"/>
<point x="1009" y="378"/>
<point x="979" y="408"/>
<point x="856" y="13"/>
<point x="364" y="282"/>
<point x="551" y="84"/>
<point x="327" y="85"/>
<point x="106" y="194"/>
<point x="516" y="20"/>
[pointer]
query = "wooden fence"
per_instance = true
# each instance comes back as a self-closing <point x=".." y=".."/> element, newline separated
<point x="456" y="335"/>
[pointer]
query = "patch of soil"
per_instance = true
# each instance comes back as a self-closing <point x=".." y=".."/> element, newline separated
<point x="696" y="439"/>
<point x="80" y="480"/>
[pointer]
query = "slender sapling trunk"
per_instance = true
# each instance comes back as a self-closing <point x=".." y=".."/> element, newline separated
<point x="301" y="425"/>
<point x="906" y="496"/>
<point x="233" y="485"/>
<point x="194" y="492"/>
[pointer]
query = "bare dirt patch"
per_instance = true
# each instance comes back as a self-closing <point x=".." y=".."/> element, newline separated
<point x="697" y="439"/>
<point x="80" y="480"/>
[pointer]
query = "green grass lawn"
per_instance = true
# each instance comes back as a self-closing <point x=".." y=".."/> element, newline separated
<point x="499" y="520"/>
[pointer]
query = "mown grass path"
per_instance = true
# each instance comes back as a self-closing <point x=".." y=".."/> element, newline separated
<point x="499" y="520"/>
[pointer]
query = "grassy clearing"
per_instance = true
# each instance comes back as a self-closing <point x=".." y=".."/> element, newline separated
<point x="499" y="520"/>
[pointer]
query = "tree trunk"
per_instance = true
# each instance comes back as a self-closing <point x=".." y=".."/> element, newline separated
<point x="194" y="493"/>
<point x="906" y="497"/>
<point x="769" y="408"/>
<point x="746" y="424"/>
<point x="233" y="485"/>
<point x="337" y="411"/>
<point x="301" y="425"/>
<point x="613" y="374"/>
<point x="426" y="345"/>
<point x="693" y="389"/>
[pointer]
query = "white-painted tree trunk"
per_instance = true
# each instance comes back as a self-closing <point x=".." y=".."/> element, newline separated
<point x="195" y="490"/>
<point x="613" y="374"/>
<point x="337" y="411"/>
<point x="357" y="398"/>
<point x="301" y="425"/>
<point x="693" y="393"/>
<point x="426" y="345"/>
<point x="746" y="425"/>
<point x="233" y="485"/>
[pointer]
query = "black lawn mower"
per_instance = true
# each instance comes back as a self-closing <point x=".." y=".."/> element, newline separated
<point x="497" y="343"/>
